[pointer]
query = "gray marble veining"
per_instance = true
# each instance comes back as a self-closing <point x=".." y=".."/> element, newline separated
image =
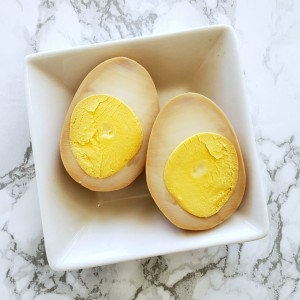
<point x="269" y="35"/>
<point x="15" y="182"/>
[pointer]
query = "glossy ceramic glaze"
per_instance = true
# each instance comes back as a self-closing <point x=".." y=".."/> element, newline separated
<point x="84" y="228"/>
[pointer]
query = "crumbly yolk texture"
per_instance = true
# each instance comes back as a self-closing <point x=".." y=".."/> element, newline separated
<point x="104" y="135"/>
<point x="201" y="173"/>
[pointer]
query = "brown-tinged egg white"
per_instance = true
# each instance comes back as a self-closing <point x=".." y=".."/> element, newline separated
<point x="125" y="82"/>
<point x="182" y="117"/>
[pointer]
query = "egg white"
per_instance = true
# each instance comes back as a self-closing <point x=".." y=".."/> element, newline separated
<point x="184" y="116"/>
<point x="128" y="81"/>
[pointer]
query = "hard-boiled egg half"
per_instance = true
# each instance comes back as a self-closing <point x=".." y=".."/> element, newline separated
<point x="194" y="168"/>
<point x="106" y="130"/>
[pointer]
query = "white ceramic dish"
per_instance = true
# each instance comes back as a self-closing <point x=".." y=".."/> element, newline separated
<point x="83" y="228"/>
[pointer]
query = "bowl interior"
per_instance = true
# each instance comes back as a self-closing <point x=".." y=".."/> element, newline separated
<point x="84" y="228"/>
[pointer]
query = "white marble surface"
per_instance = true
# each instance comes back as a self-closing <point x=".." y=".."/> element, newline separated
<point x="269" y="41"/>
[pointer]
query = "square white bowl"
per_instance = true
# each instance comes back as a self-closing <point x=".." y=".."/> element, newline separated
<point x="84" y="228"/>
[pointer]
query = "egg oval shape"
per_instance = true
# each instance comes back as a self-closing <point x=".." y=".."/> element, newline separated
<point x="106" y="130"/>
<point x="190" y="118"/>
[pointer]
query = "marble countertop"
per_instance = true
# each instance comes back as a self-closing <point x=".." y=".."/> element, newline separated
<point x="269" y="41"/>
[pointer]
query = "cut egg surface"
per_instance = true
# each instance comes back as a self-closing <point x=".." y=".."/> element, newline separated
<point x="107" y="127"/>
<point x="101" y="141"/>
<point x="195" y="170"/>
<point x="201" y="173"/>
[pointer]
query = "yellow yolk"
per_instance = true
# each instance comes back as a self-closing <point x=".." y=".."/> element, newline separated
<point x="201" y="173"/>
<point x="104" y="135"/>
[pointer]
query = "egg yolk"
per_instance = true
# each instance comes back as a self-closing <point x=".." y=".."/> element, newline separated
<point x="201" y="173"/>
<point x="104" y="135"/>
